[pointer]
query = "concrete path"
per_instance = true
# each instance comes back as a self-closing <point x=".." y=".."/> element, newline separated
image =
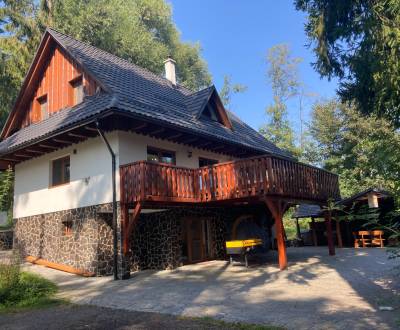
<point x="316" y="292"/>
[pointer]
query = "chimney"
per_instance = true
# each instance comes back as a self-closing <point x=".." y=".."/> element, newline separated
<point x="170" y="70"/>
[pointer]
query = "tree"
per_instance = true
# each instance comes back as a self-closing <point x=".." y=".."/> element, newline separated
<point x="228" y="89"/>
<point x="358" y="42"/>
<point x="362" y="149"/>
<point x="283" y="75"/>
<point x="140" y="31"/>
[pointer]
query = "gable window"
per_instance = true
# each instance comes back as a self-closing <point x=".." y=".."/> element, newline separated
<point x="76" y="90"/>
<point x="207" y="161"/>
<point x="43" y="106"/>
<point x="60" y="169"/>
<point x="209" y="112"/>
<point x="161" y="156"/>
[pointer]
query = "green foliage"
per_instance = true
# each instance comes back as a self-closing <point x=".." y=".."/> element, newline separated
<point x="228" y="89"/>
<point x="141" y="31"/>
<point x="363" y="150"/>
<point x="283" y="76"/>
<point x="23" y="290"/>
<point x="6" y="189"/>
<point x="358" y="42"/>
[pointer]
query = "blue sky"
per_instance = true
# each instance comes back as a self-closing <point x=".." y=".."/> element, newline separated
<point x="235" y="36"/>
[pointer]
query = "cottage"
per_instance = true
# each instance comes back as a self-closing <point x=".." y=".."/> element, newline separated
<point x="119" y="169"/>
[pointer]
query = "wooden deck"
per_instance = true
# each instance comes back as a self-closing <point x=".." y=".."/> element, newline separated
<point x="243" y="179"/>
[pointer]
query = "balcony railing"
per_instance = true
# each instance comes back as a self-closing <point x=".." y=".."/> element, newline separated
<point x="241" y="179"/>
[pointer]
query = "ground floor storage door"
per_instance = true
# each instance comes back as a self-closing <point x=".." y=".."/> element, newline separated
<point x="198" y="239"/>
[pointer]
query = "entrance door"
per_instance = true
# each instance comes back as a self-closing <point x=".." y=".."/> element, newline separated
<point x="198" y="240"/>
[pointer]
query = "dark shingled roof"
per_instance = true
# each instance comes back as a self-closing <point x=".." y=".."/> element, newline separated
<point x="132" y="89"/>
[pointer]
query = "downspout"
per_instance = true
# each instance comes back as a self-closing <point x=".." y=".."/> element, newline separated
<point x="114" y="200"/>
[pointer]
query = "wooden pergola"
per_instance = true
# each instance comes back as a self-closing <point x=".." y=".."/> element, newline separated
<point x="273" y="181"/>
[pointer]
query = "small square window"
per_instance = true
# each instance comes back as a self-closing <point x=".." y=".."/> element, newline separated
<point x="43" y="106"/>
<point x="60" y="171"/>
<point x="67" y="228"/>
<point x="77" y="91"/>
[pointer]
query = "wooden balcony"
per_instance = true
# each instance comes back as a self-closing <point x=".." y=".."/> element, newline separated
<point x="249" y="178"/>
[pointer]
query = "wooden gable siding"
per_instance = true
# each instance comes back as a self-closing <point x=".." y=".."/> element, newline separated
<point x="55" y="80"/>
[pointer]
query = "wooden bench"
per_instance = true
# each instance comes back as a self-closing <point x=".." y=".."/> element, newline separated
<point x="365" y="238"/>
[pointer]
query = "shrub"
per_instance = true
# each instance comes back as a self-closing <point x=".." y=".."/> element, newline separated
<point x="22" y="289"/>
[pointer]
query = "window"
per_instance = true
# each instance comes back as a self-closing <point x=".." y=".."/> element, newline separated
<point x="160" y="156"/>
<point x="207" y="162"/>
<point x="67" y="228"/>
<point x="77" y="90"/>
<point x="43" y="106"/>
<point x="60" y="171"/>
<point x="209" y="112"/>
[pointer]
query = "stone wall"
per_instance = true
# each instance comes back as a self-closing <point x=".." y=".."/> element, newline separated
<point x="87" y="247"/>
<point x="157" y="241"/>
<point x="6" y="239"/>
<point x="157" y="238"/>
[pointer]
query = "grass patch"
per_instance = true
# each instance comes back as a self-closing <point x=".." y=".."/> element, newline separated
<point x="207" y="321"/>
<point x="23" y="290"/>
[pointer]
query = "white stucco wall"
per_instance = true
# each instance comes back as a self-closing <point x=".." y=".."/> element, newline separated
<point x="32" y="194"/>
<point x="133" y="147"/>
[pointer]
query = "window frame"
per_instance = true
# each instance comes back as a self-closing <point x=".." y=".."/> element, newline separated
<point x="63" y="179"/>
<point x="41" y="100"/>
<point x="73" y="83"/>
<point x="209" y="160"/>
<point x="159" y="152"/>
<point x="68" y="228"/>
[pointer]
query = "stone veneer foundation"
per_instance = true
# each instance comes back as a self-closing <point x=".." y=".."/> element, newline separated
<point x="156" y="242"/>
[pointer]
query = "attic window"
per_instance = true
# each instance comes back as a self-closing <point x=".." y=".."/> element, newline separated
<point x="209" y="112"/>
<point x="76" y="91"/>
<point x="43" y="106"/>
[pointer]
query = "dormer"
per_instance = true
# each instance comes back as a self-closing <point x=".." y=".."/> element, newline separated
<point x="214" y="110"/>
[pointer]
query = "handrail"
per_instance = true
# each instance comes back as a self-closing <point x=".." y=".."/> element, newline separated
<point x="256" y="176"/>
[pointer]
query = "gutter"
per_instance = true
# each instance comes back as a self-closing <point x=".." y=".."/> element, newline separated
<point x="114" y="201"/>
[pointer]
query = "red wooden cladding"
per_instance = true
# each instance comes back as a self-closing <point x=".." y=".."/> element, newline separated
<point x="257" y="176"/>
<point x="55" y="84"/>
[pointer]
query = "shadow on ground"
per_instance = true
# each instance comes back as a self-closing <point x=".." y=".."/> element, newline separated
<point x="317" y="291"/>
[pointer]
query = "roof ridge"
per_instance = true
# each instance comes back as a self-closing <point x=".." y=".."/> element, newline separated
<point x="52" y="30"/>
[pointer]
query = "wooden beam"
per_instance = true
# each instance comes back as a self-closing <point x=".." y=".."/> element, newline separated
<point x="190" y="140"/>
<point x="175" y="136"/>
<point x="202" y="145"/>
<point x="48" y="146"/>
<point x="277" y="209"/>
<point x="218" y="147"/>
<point x="329" y="235"/>
<point x="64" y="268"/>
<point x="92" y="129"/>
<point x="338" y="233"/>
<point x="10" y="159"/>
<point x="63" y="141"/>
<point x="22" y="156"/>
<point x="139" y="127"/>
<point x="34" y="151"/>
<point x="314" y="233"/>
<point x="157" y="131"/>
<point x="78" y="135"/>
<point x="128" y="225"/>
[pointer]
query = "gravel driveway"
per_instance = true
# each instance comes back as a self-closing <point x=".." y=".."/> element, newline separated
<point x="316" y="292"/>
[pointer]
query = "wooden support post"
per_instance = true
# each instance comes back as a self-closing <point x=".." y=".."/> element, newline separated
<point x="277" y="209"/>
<point x="298" y="229"/>
<point x="328" y="223"/>
<point x="338" y="233"/>
<point x="314" y="233"/>
<point x="129" y="224"/>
